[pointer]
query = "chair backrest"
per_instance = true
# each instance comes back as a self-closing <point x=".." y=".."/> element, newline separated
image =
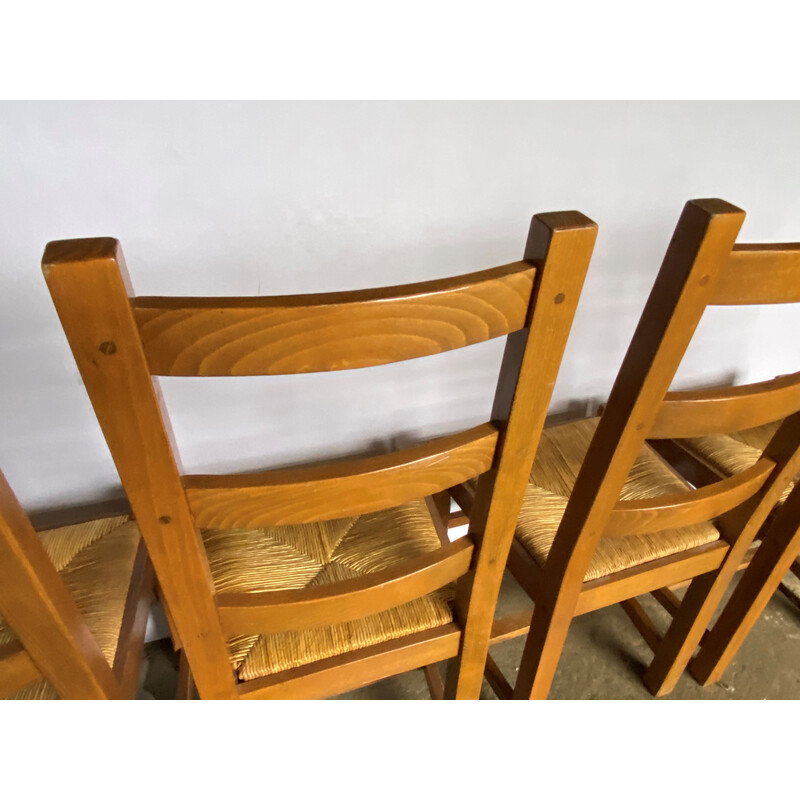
<point x="119" y="341"/>
<point x="52" y="639"/>
<point x="702" y="267"/>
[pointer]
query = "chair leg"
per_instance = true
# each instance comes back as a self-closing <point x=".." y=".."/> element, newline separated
<point x="435" y="683"/>
<point x="773" y="559"/>
<point x="686" y="630"/>
<point x="543" y="647"/>
<point x="186" y="689"/>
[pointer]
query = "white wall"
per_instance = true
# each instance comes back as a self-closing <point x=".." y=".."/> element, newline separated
<point x="271" y="198"/>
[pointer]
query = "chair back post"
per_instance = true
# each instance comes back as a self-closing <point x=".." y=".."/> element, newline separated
<point x="560" y="245"/>
<point x="686" y="282"/>
<point x="42" y="613"/>
<point x="88" y="282"/>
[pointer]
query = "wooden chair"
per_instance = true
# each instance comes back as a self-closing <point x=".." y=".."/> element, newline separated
<point x="74" y="602"/>
<point x="606" y="519"/>
<point x="706" y="459"/>
<point x="270" y="597"/>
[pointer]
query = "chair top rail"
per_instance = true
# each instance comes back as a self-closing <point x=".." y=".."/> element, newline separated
<point x="218" y="336"/>
<point x="759" y="274"/>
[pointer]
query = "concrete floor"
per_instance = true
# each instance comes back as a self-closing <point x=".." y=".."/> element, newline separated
<point x="604" y="658"/>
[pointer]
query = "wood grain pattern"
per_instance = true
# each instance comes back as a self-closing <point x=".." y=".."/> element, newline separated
<point x="117" y="342"/>
<point x="345" y="330"/>
<point x="760" y="274"/>
<point x="687" y="508"/>
<point x="684" y="415"/>
<point x="340" y="489"/>
<point x="294" y="609"/>
<point x="89" y="286"/>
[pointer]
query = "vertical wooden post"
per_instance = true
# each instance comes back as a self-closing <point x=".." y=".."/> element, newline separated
<point x="90" y="289"/>
<point x="561" y="245"/>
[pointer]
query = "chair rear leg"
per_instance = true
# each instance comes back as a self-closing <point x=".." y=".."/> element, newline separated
<point x="543" y="647"/>
<point x="773" y="559"/>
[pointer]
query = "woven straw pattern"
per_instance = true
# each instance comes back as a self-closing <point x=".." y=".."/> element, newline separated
<point x="95" y="561"/>
<point x="735" y="452"/>
<point x="298" y="556"/>
<point x="558" y="460"/>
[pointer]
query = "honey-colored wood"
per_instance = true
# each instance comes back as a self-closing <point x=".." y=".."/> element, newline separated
<point x="294" y="609"/>
<point x="340" y="489"/>
<point x="433" y="676"/>
<point x="779" y="548"/>
<point x="687" y="508"/>
<point x="699" y="269"/>
<point x="648" y="577"/>
<point x="345" y="330"/>
<point x="53" y="640"/>
<point x="495" y="678"/>
<point x="684" y="415"/>
<point x="118" y="340"/>
<point x="561" y="246"/>
<point x="40" y="610"/>
<point x="705" y="236"/>
<point x="16" y="668"/>
<point x="89" y="287"/>
<point x="758" y="274"/>
<point x="638" y="616"/>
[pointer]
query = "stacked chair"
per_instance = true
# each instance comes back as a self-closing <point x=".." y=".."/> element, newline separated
<point x="74" y="602"/>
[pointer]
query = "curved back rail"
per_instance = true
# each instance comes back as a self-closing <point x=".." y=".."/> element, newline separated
<point x="684" y="415"/>
<point x="678" y="510"/>
<point x="244" y="613"/>
<point x="321" y="332"/>
<point x="342" y="489"/>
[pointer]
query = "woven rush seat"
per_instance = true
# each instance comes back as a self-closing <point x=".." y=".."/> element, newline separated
<point x="731" y="453"/>
<point x="95" y="560"/>
<point x="299" y="556"/>
<point x="561" y="452"/>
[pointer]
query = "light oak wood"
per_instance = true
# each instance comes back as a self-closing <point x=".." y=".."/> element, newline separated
<point x="53" y="640"/>
<point x="16" y="668"/>
<point x="340" y="489"/>
<point x="561" y="246"/>
<point x="118" y="340"/>
<point x="40" y="610"/>
<point x="684" y="415"/>
<point x="699" y="269"/>
<point x="294" y="609"/>
<point x="687" y="508"/>
<point x="89" y="286"/>
<point x="345" y="330"/>
<point x="758" y="274"/>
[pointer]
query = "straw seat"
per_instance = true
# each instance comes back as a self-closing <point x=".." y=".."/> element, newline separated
<point x="558" y="460"/>
<point x="730" y="453"/>
<point x="299" y="556"/>
<point x="96" y="561"/>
